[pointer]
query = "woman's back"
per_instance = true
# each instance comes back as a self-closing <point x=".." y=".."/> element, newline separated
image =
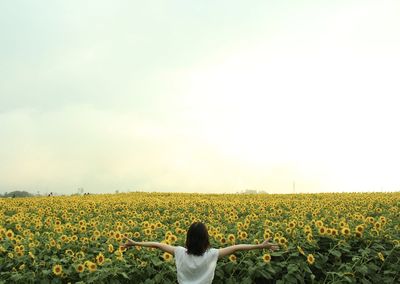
<point x="195" y="269"/>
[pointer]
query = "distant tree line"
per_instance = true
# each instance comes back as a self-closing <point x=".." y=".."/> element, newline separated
<point x="16" y="193"/>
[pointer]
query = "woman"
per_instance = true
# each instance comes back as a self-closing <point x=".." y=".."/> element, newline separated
<point x="196" y="263"/>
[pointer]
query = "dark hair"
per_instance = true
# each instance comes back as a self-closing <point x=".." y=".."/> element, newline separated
<point x="197" y="240"/>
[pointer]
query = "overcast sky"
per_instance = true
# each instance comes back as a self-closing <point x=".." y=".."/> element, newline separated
<point x="199" y="96"/>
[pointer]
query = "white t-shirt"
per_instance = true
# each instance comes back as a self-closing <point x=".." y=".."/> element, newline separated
<point x="195" y="269"/>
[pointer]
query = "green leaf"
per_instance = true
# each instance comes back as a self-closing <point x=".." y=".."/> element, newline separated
<point x="292" y="268"/>
<point x="158" y="278"/>
<point x="270" y="269"/>
<point x="156" y="261"/>
<point x="277" y="253"/>
<point x="372" y="266"/>
<point x="228" y="268"/>
<point x="246" y="280"/>
<point x="363" y="269"/>
<point x="348" y="279"/>
<point x="336" y="253"/>
<point x="264" y="274"/>
<point x="230" y="281"/>
<point x="289" y="278"/>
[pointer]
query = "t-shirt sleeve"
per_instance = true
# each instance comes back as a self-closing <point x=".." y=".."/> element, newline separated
<point x="214" y="254"/>
<point x="179" y="251"/>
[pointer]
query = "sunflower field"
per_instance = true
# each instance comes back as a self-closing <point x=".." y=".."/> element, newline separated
<point x="323" y="238"/>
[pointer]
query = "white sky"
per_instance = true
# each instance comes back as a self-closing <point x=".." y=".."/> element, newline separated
<point x="210" y="96"/>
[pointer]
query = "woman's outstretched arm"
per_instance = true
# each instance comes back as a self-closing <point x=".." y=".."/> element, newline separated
<point x="164" y="247"/>
<point x="231" y="249"/>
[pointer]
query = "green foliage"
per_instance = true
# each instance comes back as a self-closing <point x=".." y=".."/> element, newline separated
<point x="373" y="257"/>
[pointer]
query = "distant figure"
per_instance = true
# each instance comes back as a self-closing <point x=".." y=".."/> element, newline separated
<point x="196" y="262"/>
<point x="50" y="194"/>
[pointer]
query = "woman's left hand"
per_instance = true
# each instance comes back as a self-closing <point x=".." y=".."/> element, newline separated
<point x="271" y="246"/>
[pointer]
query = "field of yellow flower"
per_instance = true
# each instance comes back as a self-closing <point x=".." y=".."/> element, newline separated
<point x="337" y="237"/>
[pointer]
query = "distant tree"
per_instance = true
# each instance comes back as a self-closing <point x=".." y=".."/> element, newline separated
<point x="17" y="193"/>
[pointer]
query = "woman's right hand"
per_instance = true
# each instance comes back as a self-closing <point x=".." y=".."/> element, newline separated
<point x="129" y="243"/>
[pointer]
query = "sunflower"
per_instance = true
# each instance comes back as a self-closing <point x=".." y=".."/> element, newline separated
<point x="232" y="258"/>
<point x="110" y="248"/>
<point x="381" y="257"/>
<point x="69" y="252"/>
<point x="97" y="233"/>
<point x="10" y="234"/>
<point x="117" y="235"/>
<point x="91" y="266"/>
<point x="57" y="269"/>
<point x="346" y="231"/>
<point x="267" y="235"/>
<point x="80" y="255"/>
<point x="310" y="259"/>
<point x="266" y="258"/>
<point x="119" y="254"/>
<point x="172" y="238"/>
<point x="17" y="249"/>
<point x="80" y="268"/>
<point x="143" y="264"/>
<point x="243" y="235"/>
<point x="167" y="256"/>
<point x="370" y="219"/>
<point x="282" y="240"/>
<point x="307" y="229"/>
<point x="100" y="259"/>
<point x="360" y="228"/>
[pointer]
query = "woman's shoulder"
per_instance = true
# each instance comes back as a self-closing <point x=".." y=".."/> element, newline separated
<point x="212" y="251"/>
<point x="180" y="250"/>
<point x="212" y="254"/>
